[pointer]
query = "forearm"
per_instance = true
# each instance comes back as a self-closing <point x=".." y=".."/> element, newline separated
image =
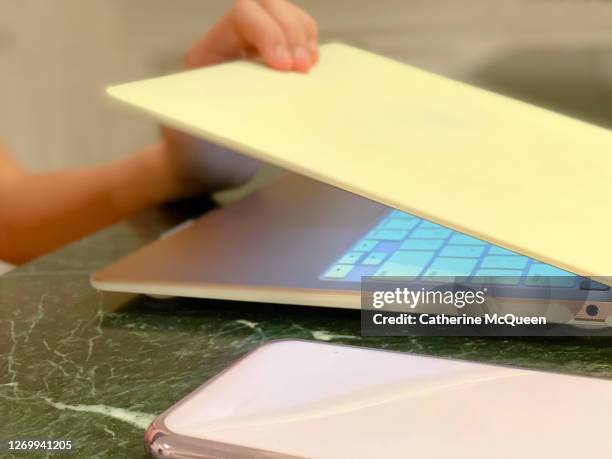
<point x="40" y="212"/>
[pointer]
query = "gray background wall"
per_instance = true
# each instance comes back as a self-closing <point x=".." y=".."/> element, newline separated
<point x="56" y="57"/>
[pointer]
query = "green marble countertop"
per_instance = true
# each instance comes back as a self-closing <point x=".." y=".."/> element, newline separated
<point x="98" y="367"/>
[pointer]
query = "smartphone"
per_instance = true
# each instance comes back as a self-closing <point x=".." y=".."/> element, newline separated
<point x="291" y="398"/>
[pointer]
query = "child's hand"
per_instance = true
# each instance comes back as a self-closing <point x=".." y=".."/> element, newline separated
<point x="70" y="204"/>
<point x="285" y="37"/>
<point x="281" y="33"/>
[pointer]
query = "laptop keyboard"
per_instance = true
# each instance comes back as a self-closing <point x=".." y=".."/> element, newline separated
<point x="403" y="245"/>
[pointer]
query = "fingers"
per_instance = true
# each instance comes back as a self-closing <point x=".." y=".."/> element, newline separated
<point x="312" y="32"/>
<point x="286" y="16"/>
<point x="258" y="29"/>
<point x="285" y="36"/>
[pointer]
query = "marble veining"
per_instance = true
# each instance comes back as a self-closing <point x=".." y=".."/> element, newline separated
<point x="135" y="418"/>
<point x="98" y="367"/>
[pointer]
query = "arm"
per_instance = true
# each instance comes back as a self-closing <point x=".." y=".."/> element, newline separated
<point x="40" y="212"/>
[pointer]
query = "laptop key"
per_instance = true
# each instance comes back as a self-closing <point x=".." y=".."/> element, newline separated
<point x="338" y="271"/>
<point x="498" y="276"/>
<point x="452" y="267"/>
<point x="364" y="246"/>
<point x="421" y="244"/>
<point x="541" y="275"/>
<point x="441" y="233"/>
<point x="387" y="235"/>
<point x="462" y="239"/>
<point x="403" y="215"/>
<point x="430" y="225"/>
<point x="405" y="264"/>
<point x="350" y="258"/>
<point x="589" y="284"/>
<point x="504" y="262"/>
<point x="374" y="259"/>
<point x="463" y="251"/>
<point x="495" y="250"/>
<point x="400" y="224"/>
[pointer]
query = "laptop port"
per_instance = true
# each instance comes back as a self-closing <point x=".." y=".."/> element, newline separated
<point x="592" y="310"/>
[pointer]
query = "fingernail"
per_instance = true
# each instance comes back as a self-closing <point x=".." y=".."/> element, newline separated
<point x="282" y="56"/>
<point x="312" y="47"/>
<point x="302" y="59"/>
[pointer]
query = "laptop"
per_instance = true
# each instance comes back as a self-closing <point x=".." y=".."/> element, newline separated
<point x="299" y="241"/>
<point x="474" y="199"/>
